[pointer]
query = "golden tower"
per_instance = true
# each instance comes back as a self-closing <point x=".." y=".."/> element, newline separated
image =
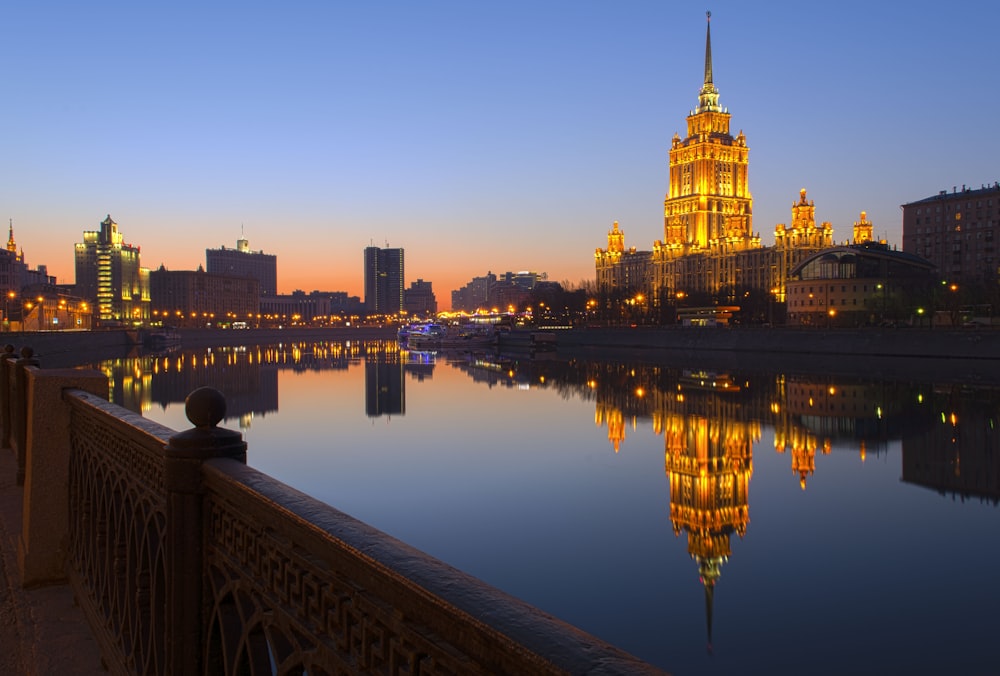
<point x="708" y="203"/>
<point x="863" y="229"/>
<point x="11" y="244"/>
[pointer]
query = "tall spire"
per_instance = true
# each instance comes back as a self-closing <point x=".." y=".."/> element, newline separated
<point x="708" y="48"/>
<point x="11" y="245"/>
<point x="708" y="98"/>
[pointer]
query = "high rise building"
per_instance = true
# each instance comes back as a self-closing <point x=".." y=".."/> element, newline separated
<point x="242" y="262"/>
<point x="384" y="281"/>
<point x="110" y="277"/>
<point x="709" y="247"/>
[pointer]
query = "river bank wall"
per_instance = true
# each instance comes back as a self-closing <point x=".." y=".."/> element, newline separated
<point x="942" y="355"/>
<point x="971" y="355"/>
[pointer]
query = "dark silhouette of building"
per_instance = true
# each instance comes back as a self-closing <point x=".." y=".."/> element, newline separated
<point x="420" y="300"/>
<point x="199" y="298"/>
<point x="384" y="281"/>
<point x="242" y="262"/>
<point x="957" y="231"/>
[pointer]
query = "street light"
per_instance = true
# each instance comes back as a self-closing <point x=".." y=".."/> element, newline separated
<point x="6" y="312"/>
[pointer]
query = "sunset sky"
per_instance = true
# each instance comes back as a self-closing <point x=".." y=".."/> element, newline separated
<point x="478" y="136"/>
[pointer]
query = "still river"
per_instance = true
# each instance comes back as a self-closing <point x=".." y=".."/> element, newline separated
<point x="707" y="521"/>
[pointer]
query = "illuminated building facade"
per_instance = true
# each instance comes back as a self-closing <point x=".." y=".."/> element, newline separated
<point x="110" y="277"/>
<point x="959" y="232"/>
<point x="709" y="246"/>
<point x="384" y="280"/>
<point x="199" y="298"/>
<point x="859" y="284"/>
<point x="242" y="262"/>
<point x="621" y="272"/>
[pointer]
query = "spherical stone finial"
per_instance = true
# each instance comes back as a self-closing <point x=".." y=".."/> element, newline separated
<point x="205" y="407"/>
<point x="27" y="352"/>
<point x="8" y="349"/>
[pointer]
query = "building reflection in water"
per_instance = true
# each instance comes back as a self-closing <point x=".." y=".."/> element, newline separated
<point x="384" y="391"/>
<point x="710" y="421"/>
<point x="958" y="454"/>
<point x="708" y="441"/>
<point x="248" y="375"/>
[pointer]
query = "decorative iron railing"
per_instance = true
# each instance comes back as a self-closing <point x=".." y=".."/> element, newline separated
<point x="186" y="561"/>
<point x="117" y="530"/>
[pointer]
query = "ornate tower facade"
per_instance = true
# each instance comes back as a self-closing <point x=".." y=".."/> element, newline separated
<point x="710" y="254"/>
<point x="863" y="229"/>
<point x="708" y="203"/>
<point x="620" y="271"/>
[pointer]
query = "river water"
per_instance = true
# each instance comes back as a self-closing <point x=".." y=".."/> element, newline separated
<point x="707" y="521"/>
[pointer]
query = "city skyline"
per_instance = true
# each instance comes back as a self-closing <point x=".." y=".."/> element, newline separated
<point x="476" y="138"/>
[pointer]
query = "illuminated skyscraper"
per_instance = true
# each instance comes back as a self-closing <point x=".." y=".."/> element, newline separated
<point x="709" y="246"/>
<point x="708" y="203"/>
<point x="384" y="280"/>
<point x="109" y="275"/>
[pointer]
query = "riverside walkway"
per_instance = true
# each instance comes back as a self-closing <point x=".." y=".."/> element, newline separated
<point x="42" y="631"/>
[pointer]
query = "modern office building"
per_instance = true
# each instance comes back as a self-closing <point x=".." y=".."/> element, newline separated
<point x="957" y="231"/>
<point x="242" y="262"/>
<point x="196" y="298"/>
<point x="709" y="247"/>
<point x="384" y="281"/>
<point x="110" y="277"/>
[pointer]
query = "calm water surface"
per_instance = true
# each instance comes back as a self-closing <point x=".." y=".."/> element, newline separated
<point x="708" y="522"/>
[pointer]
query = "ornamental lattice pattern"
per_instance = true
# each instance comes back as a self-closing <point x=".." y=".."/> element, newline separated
<point x="117" y="521"/>
<point x="276" y="601"/>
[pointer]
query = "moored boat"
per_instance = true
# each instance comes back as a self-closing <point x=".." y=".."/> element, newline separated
<point x="425" y="336"/>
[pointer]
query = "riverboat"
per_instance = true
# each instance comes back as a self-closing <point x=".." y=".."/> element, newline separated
<point x="425" y="336"/>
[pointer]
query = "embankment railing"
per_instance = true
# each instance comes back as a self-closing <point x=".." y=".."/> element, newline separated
<point x="187" y="561"/>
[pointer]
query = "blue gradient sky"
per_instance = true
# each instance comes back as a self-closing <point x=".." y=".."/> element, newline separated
<point x="477" y="136"/>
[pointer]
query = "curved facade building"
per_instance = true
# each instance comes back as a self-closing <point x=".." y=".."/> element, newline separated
<point x="860" y="285"/>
